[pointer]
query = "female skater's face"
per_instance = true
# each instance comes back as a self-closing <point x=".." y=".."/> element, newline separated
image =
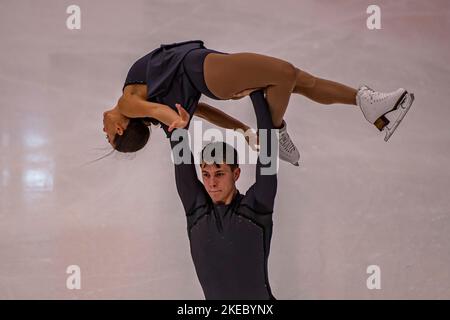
<point x="114" y="122"/>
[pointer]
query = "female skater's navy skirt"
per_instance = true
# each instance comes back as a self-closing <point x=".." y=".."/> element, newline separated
<point x="174" y="76"/>
<point x="193" y="65"/>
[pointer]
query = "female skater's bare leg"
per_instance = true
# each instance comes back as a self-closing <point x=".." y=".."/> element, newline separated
<point x="227" y="75"/>
<point x="323" y="91"/>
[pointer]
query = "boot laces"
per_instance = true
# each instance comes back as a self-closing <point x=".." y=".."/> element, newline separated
<point x="286" y="143"/>
<point x="372" y="96"/>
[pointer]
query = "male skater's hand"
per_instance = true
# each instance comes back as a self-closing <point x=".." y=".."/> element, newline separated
<point x="182" y="120"/>
<point x="252" y="138"/>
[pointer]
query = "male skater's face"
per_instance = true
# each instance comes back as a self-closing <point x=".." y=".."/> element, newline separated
<point x="220" y="181"/>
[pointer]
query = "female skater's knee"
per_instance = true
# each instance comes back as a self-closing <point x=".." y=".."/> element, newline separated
<point x="289" y="74"/>
<point x="304" y="79"/>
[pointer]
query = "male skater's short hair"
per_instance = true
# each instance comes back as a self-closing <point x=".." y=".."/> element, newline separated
<point x="219" y="152"/>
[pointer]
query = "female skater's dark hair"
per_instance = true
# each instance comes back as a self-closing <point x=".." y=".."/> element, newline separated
<point x="134" y="137"/>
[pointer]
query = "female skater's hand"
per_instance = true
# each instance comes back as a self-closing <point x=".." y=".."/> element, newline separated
<point x="183" y="119"/>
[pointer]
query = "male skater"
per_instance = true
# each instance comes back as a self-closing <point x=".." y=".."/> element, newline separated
<point x="230" y="233"/>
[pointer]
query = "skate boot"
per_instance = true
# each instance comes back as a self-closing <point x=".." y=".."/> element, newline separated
<point x="376" y="105"/>
<point x="287" y="150"/>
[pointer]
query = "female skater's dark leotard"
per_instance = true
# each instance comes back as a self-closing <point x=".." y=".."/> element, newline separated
<point x="173" y="74"/>
<point x="230" y="244"/>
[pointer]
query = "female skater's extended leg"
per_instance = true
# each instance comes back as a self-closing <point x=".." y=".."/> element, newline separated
<point x="231" y="74"/>
<point x="227" y="75"/>
<point x="323" y="91"/>
<point x="374" y="105"/>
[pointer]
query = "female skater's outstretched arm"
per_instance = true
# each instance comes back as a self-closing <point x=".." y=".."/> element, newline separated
<point x="218" y="117"/>
<point x="132" y="107"/>
<point x="224" y="120"/>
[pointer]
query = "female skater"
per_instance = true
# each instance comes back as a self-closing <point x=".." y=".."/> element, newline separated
<point x="165" y="86"/>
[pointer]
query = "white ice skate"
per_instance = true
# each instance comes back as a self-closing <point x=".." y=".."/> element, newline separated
<point x="287" y="150"/>
<point x="376" y="105"/>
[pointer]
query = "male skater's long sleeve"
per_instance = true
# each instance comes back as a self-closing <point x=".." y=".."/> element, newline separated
<point x="265" y="188"/>
<point x="190" y="189"/>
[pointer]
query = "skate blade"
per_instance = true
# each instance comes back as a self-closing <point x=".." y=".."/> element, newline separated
<point x="404" y="107"/>
<point x="382" y="121"/>
<point x="293" y="162"/>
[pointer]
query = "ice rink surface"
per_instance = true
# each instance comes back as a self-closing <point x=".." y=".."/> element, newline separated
<point x="355" y="200"/>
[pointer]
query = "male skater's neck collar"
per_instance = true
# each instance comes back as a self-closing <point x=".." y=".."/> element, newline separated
<point x="233" y="199"/>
